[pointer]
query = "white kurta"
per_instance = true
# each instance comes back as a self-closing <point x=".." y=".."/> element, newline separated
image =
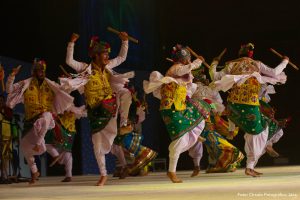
<point x="206" y="92"/>
<point x="180" y="74"/>
<point x="35" y="136"/>
<point x="224" y="80"/>
<point x="103" y="140"/>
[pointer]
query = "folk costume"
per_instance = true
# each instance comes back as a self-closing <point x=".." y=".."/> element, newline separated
<point x="244" y="77"/>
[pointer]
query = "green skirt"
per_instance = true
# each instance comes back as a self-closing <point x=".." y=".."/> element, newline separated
<point x="101" y="115"/>
<point x="247" y="117"/>
<point x="180" y="122"/>
<point x="60" y="137"/>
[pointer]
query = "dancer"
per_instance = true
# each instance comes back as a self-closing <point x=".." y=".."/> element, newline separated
<point x="183" y="117"/>
<point x="276" y="126"/>
<point x="223" y="156"/>
<point x="59" y="141"/>
<point x="102" y="101"/>
<point x="244" y="77"/>
<point x="6" y="137"/>
<point x="42" y="98"/>
<point x="131" y="142"/>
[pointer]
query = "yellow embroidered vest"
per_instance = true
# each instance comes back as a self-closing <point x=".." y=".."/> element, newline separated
<point x="247" y="93"/>
<point x="173" y="93"/>
<point x="243" y="66"/>
<point x="98" y="88"/>
<point x="37" y="99"/>
<point x="68" y="121"/>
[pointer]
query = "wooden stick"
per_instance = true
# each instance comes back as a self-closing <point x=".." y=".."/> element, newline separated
<point x="169" y="59"/>
<point x="64" y="71"/>
<point x="197" y="56"/>
<point x="222" y="54"/>
<point x="19" y="67"/>
<point x="118" y="32"/>
<point x="281" y="56"/>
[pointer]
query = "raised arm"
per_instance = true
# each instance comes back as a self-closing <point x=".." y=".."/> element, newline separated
<point x="78" y="66"/>
<point x="214" y="75"/>
<point x="180" y="69"/>
<point x="264" y="69"/>
<point x="10" y="86"/>
<point x="122" y="53"/>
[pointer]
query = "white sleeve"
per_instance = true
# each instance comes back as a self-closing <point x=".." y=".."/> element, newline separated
<point x="121" y="57"/>
<point x="180" y="69"/>
<point x="214" y="75"/>
<point x="270" y="71"/>
<point x="77" y="66"/>
<point x="196" y="63"/>
<point x="10" y="84"/>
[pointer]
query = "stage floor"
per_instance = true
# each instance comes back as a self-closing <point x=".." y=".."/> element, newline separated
<point x="276" y="183"/>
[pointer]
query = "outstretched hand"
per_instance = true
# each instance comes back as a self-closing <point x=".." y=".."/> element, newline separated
<point x="74" y="37"/>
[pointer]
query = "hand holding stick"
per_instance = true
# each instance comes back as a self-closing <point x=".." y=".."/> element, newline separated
<point x="281" y="56"/>
<point x="118" y="32"/>
<point x="74" y="37"/>
<point x="197" y="56"/>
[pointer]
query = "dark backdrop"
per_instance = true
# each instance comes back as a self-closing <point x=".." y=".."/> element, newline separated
<point x="42" y="28"/>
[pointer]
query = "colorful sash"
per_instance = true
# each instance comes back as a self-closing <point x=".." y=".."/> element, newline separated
<point x="100" y="115"/>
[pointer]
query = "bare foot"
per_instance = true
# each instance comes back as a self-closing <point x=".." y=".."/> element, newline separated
<point x="250" y="172"/>
<point x="272" y="152"/>
<point x="258" y="173"/>
<point x="34" y="177"/>
<point x="67" y="179"/>
<point x="102" y="181"/>
<point x="173" y="177"/>
<point x="196" y="171"/>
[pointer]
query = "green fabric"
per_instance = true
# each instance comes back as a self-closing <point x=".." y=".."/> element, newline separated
<point x="60" y="137"/>
<point x="100" y="116"/>
<point x="180" y="122"/>
<point x="247" y="117"/>
<point x="269" y="112"/>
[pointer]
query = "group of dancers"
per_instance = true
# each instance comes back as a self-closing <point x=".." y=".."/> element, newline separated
<point x="190" y="106"/>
